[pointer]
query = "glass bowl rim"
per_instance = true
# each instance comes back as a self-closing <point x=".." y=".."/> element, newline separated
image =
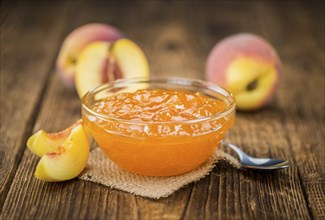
<point x="168" y="80"/>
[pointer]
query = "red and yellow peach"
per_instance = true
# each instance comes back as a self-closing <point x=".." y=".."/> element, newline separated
<point x="246" y="65"/>
<point x="75" y="42"/>
<point x="102" y="62"/>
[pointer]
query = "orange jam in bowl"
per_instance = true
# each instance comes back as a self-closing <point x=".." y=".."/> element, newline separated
<point x="158" y="127"/>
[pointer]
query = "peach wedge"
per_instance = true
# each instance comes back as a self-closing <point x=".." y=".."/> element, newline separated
<point x="64" y="154"/>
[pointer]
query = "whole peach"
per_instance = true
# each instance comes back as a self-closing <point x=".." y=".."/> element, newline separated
<point x="248" y="66"/>
<point x="75" y="42"/>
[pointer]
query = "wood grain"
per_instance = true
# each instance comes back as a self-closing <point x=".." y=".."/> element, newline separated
<point x="302" y="106"/>
<point x="26" y="58"/>
<point x="176" y="36"/>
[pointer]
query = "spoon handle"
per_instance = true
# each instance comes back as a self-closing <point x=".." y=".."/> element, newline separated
<point x="236" y="149"/>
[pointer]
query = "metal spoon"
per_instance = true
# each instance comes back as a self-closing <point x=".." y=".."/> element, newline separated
<point x="249" y="162"/>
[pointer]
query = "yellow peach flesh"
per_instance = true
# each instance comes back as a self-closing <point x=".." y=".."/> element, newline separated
<point x="90" y="66"/>
<point x="41" y="142"/>
<point x="130" y="57"/>
<point x="245" y="70"/>
<point x="63" y="161"/>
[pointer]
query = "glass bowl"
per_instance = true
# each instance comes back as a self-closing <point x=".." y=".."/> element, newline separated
<point x="167" y="151"/>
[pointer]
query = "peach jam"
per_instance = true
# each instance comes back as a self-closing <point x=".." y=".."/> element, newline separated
<point x="158" y="132"/>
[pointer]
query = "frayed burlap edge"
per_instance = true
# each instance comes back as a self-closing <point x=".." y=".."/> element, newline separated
<point x="102" y="170"/>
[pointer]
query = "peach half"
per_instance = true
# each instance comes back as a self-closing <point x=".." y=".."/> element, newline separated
<point x="248" y="66"/>
<point x="75" y="42"/>
<point x="102" y="62"/>
<point x="63" y="155"/>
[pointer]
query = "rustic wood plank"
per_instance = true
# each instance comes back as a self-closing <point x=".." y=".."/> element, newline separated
<point x="26" y="57"/>
<point x="302" y="105"/>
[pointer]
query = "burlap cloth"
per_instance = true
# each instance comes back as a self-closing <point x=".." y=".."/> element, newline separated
<point x="102" y="170"/>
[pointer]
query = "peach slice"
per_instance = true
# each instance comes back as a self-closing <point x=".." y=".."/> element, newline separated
<point x="102" y="62"/>
<point x="64" y="154"/>
<point x="75" y="42"/>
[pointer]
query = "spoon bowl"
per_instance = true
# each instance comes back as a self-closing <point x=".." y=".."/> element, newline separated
<point x="249" y="162"/>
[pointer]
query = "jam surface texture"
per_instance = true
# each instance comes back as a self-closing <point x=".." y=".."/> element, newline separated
<point x="159" y="105"/>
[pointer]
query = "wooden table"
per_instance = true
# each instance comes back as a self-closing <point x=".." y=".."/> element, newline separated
<point x="177" y="37"/>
